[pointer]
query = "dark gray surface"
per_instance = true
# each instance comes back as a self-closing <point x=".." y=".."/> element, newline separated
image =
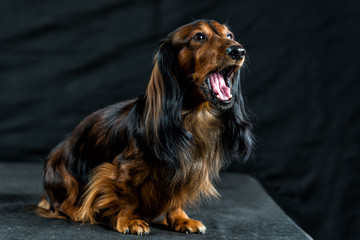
<point x="244" y="211"/>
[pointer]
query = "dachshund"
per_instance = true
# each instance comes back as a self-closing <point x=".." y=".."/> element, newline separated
<point x="145" y="160"/>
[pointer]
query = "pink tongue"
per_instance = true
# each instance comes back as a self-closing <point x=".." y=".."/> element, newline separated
<point x="219" y="87"/>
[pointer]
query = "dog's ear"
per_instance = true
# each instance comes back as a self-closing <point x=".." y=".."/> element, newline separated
<point x="239" y="138"/>
<point x="166" y="137"/>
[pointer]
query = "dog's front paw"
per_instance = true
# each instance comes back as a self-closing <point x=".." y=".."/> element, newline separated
<point x="133" y="226"/>
<point x="188" y="225"/>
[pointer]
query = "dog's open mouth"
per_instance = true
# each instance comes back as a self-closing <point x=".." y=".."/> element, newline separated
<point x="220" y="85"/>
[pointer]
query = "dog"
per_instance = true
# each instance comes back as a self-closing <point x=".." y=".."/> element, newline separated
<point x="145" y="160"/>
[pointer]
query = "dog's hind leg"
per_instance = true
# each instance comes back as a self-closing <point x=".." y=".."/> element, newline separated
<point x="110" y="199"/>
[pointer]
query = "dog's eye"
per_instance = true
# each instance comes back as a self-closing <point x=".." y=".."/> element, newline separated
<point x="230" y="36"/>
<point x="199" y="37"/>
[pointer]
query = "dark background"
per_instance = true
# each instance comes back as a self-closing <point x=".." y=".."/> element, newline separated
<point x="62" y="60"/>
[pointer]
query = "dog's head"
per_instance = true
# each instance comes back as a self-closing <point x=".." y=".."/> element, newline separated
<point x="205" y="59"/>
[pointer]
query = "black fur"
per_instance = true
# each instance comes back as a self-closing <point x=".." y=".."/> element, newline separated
<point x="173" y="138"/>
<point x="238" y="139"/>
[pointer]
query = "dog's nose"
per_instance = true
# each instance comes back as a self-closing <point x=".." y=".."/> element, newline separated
<point x="236" y="52"/>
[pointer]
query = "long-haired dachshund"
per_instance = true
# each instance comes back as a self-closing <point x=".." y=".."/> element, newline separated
<point x="146" y="159"/>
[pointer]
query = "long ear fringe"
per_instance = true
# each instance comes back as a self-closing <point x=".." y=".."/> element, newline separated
<point x="238" y="124"/>
<point x="166" y="137"/>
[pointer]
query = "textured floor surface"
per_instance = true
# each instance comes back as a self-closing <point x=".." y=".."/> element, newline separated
<point x="244" y="211"/>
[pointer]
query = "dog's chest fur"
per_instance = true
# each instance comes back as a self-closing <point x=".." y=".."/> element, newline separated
<point x="201" y="165"/>
<point x="206" y="129"/>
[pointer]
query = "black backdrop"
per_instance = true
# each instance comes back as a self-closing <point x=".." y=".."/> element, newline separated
<point x="61" y="60"/>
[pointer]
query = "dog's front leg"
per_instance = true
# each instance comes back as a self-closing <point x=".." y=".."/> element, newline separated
<point x="179" y="221"/>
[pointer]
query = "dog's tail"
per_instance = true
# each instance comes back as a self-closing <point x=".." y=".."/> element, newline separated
<point x="43" y="209"/>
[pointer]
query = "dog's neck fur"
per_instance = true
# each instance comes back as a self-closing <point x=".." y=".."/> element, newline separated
<point x="201" y="165"/>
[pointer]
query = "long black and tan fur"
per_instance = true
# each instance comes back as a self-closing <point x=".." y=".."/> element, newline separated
<point x="138" y="161"/>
